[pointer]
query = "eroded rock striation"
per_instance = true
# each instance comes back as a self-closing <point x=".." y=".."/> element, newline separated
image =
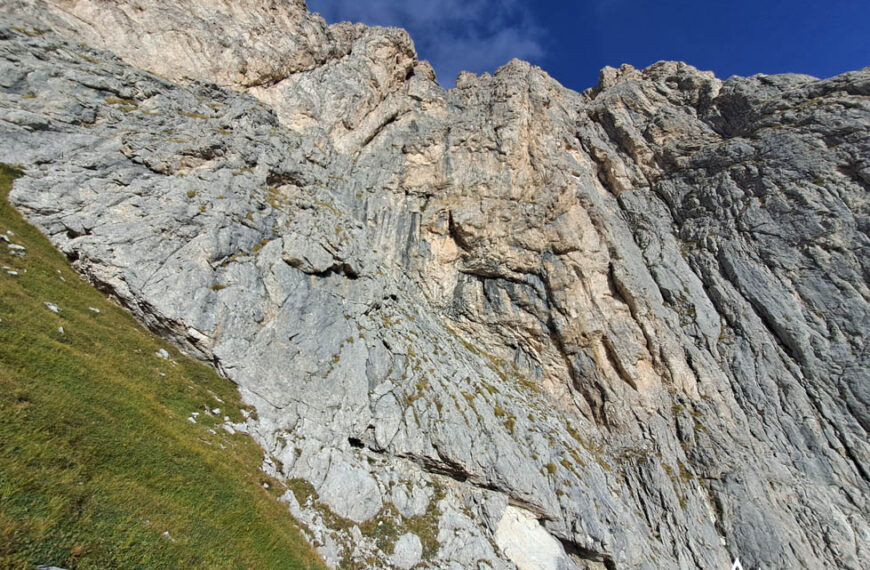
<point x="504" y="325"/>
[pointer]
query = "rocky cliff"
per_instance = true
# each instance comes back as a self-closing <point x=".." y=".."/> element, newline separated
<point x="501" y="325"/>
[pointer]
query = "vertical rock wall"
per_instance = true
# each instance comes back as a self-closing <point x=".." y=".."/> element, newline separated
<point x="628" y="323"/>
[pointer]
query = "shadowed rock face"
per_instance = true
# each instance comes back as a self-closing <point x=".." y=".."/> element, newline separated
<point x="637" y="315"/>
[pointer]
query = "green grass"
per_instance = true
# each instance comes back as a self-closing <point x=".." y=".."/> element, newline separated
<point x="97" y="457"/>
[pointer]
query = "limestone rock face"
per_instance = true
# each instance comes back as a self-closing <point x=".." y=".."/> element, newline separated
<point x="239" y="44"/>
<point x="628" y="324"/>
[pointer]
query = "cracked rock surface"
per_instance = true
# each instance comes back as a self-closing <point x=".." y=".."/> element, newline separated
<point x="504" y="325"/>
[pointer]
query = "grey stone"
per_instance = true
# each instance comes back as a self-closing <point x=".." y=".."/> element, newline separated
<point x="408" y="551"/>
<point x="525" y="542"/>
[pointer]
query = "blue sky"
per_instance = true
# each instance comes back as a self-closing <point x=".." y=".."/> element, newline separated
<point x="574" y="39"/>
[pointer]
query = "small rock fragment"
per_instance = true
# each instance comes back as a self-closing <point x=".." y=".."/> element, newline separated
<point x="408" y="551"/>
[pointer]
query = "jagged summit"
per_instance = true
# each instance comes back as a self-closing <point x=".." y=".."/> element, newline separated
<point x="519" y="325"/>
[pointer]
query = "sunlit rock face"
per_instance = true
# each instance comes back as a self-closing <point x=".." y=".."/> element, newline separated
<point x="627" y="326"/>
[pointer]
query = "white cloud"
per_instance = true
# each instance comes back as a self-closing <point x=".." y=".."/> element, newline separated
<point x="454" y="35"/>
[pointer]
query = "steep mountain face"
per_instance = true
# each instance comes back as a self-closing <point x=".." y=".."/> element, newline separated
<point x="502" y="325"/>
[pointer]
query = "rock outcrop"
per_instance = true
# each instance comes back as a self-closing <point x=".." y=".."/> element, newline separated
<point x="502" y="325"/>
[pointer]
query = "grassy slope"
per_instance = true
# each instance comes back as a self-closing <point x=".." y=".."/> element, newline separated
<point x="97" y="457"/>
